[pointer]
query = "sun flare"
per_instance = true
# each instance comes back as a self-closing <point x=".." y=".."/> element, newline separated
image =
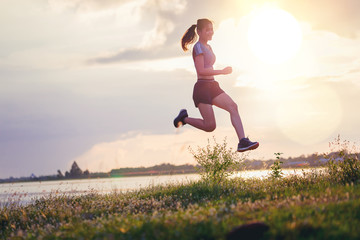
<point x="274" y="35"/>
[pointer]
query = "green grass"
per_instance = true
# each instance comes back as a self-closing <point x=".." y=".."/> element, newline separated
<point x="298" y="207"/>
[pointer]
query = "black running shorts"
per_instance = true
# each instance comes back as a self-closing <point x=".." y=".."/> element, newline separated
<point x="205" y="91"/>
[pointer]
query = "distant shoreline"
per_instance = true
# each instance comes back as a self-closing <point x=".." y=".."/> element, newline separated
<point x="131" y="174"/>
<point x="301" y="162"/>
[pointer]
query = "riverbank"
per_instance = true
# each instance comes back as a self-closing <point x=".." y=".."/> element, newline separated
<point x="75" y="173"/>
<point x="308" y="206"/>
<point x="28" y="192"/>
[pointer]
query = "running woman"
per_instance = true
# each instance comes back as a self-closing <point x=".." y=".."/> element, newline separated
<point x="207" y="91"/>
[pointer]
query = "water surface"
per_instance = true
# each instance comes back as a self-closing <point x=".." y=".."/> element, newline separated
<point x="27" y="192"/>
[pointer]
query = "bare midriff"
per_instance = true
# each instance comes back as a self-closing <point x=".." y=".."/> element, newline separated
<point x="209" y="77"/>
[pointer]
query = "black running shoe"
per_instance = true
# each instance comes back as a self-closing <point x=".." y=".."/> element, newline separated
<point x="245" y="144"/>
<point x="179" y="120"/>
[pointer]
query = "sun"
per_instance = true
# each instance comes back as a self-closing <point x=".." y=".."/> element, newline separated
<point x="274" y="35"/>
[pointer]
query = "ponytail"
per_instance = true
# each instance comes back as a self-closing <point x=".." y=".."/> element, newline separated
<point x="189" y="37"/>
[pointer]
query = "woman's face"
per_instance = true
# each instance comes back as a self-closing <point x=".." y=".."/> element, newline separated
<point x="206" y="32"/>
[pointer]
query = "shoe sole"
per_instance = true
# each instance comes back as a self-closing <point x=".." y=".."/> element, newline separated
<point x="252" y="147"/>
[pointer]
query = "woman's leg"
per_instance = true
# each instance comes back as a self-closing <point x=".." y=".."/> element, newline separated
<point x="208" y="122"/>
<point x="225" y="102"/>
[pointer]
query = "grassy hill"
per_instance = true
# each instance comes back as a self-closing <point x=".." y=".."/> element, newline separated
<point x="312" y="206"/>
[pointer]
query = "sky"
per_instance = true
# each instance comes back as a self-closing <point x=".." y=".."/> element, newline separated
<point x="100" y="82"/>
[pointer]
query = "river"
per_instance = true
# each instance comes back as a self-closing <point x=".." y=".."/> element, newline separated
<point x="27" y="192"/>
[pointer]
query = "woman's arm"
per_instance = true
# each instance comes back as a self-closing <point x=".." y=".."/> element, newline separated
<point x="202" y="71"/>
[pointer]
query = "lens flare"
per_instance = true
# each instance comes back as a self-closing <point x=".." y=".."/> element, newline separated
<point x="310" y="115"/>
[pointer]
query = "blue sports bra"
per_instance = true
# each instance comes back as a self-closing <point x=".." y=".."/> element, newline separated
<point x="209" y="56"/>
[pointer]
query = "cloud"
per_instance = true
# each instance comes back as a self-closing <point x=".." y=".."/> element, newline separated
<point x="155" y="43"/>
<point x="157" y="36"/>
<point x="49" y="117"/>
<point x="149" y="29"/>
<point x="165" y="7"/>
<point x="136" y="54"/>
<point x="137" y="149"/>
<point x="55" y="38"/>
<point x="84" y="5"/>
<point x="168" y="20"/>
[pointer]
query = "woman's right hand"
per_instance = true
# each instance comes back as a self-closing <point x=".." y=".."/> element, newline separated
<point x="227" y="70"/>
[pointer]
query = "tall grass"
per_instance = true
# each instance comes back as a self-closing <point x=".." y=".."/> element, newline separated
<point x="343" y="162"/>
<point x="276" y="171"/>
<point x="216" y="161"/>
